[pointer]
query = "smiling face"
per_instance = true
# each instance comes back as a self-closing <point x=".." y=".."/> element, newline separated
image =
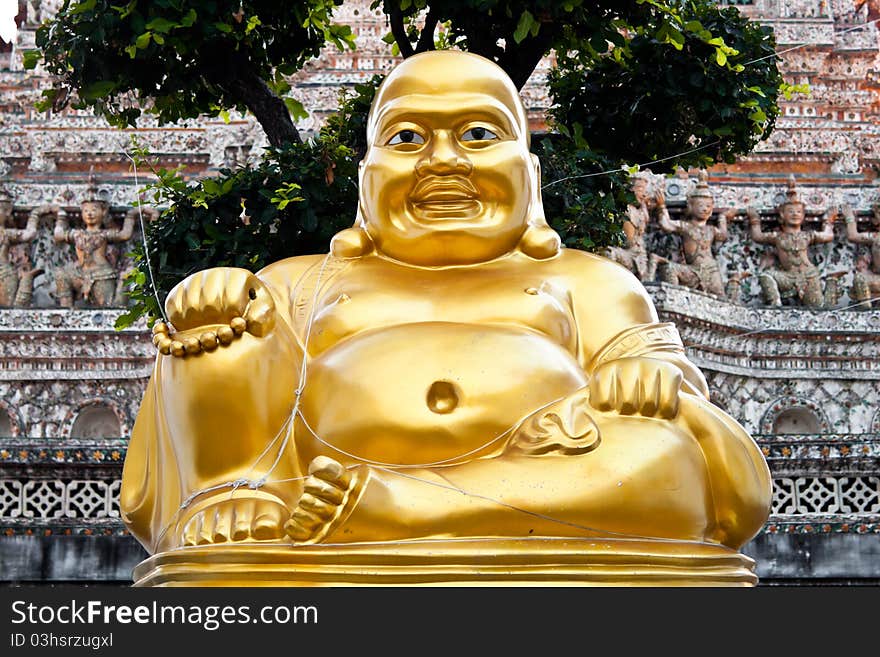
<point x="447" y="178"/>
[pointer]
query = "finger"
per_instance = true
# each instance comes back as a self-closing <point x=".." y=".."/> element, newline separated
<point x="653" y="381"/>
<point x="261" y="314"/>
<point x="269" y="521"/>
<point x="211" y="295"/>
<point x="192" y="298"/>
<point x="235" y="292"/>
<point x="317" y="506"/>
<point x="669" y="392"/>
<point x="329" y="470"/>
<point x="324" y="490"/>
<point x="602" y="387"/>
<point x="627" y="389"/>
<point x="296" y="531"/>
<point x="174" y="304"/>
<point x="306" y="519"/>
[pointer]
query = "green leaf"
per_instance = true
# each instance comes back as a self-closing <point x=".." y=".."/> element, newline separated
<point x="297" y="110"/>
<point x="83" y="7"/>
<point x="720" y="57"/>
<point x="143" y="40"/>
<point x="189" y="18"/>
<point x="523" y="26"/>
<point x="192" y="241"/>
<point x="99" y="89"/>
<point x="252" y="24"/>
<point x="226" y="28"/>
<point x="30" y="59"/>
<point x="163" y="25"/>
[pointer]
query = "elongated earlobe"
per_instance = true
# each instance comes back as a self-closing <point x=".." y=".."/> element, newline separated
<point x="352" y="242"/>
<point x="539" y="240"/>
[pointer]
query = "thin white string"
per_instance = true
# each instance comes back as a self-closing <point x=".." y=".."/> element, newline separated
<point x="810" y="43"/>
<point x="363" y="459"/>
<point x="645" y="164"/>
<point x="512" y="507"/>
<point x="303" y="374"/>
<point x="144" y="238"/>
<point x="259" y="483"/>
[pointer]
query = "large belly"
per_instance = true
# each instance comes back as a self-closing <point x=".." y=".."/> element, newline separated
<point x="427" y="392"/>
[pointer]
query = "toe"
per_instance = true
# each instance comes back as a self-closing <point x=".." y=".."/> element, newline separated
<point x="268" y="521"/>
<point x="222" y="529"/>
<point x="204" y="534"/>
<point x="241" y="523"/>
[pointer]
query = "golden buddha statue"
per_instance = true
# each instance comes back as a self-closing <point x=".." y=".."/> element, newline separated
<point x="447" y="396"/>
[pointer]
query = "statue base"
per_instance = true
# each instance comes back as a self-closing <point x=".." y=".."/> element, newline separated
<point x="450" y="562"/>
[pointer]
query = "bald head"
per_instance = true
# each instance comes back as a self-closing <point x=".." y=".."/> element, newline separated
<point x="448" y="73"/>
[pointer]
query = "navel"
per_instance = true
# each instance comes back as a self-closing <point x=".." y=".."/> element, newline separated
<point x="442" y="397"/>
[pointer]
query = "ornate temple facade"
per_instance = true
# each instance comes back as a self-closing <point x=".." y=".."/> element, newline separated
<point x="803" y="379"/>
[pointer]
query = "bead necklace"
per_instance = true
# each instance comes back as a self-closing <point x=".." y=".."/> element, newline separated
<point x="192" y="345"/>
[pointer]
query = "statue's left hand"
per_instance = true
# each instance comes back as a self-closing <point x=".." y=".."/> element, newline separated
<point x="637" y="386"/>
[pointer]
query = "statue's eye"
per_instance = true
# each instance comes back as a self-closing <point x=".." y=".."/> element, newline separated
<point x="478" y="134"/>
<point x="406" y="137"/>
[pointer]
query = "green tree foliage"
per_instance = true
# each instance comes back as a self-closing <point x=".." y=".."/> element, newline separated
<point x="678" y="86"/>
<point x="636" y="81"/>
<point x="182" y="59"/>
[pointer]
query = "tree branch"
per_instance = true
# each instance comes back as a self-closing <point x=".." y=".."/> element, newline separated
<point x="426" y="38"/>
<point x="520" y="60"/>
<point x="399" y="31"/>
<point x="237" y="77"/>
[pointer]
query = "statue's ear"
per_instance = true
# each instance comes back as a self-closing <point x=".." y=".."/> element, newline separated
<point x="539" y="241"/>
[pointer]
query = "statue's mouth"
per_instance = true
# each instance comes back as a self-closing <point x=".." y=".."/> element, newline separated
<point x="445" y="197"/>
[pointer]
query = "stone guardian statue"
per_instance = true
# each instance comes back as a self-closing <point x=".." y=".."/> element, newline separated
<point x="795" y="278"/>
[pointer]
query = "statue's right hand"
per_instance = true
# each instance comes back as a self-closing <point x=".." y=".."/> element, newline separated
<point x="218" y="295"/>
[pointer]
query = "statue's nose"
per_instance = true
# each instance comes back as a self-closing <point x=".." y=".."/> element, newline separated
<point x="444" y="156"/>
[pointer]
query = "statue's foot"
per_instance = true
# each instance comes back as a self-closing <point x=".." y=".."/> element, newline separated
<point x="237" y="519"/>
<point x="324" y="497"/>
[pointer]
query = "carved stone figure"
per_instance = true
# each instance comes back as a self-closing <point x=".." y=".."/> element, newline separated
<point x="866" y="278"/>
<point x="796" y="278"/>
<point x="16" y="287"/>
<point x="92" y="276"/>
<point x="634" y="256"/>
<point x="448" y="396"/>
<point x="699" y="270"/>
